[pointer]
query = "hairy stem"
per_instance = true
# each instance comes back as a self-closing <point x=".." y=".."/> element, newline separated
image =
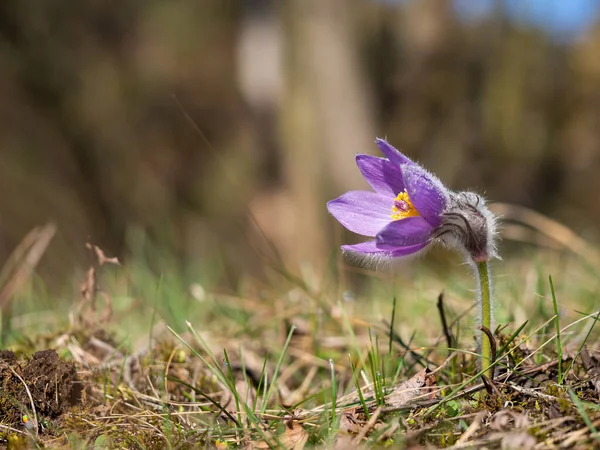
<point x="484" y="288"/>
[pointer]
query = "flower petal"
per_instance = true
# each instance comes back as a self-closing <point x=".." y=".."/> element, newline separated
<point x="363" y="247"/>
<point x="370" y="247"/>
<point x="409" y="250"/>
<point x="427" y="193"/>
<point x="392" y="153"/>
<point x="384" y="176"/>
<point x="404" y="232"/>
<point x="362" y="212"/>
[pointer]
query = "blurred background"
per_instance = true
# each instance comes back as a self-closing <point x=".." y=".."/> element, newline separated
<point x="211" y="132"/>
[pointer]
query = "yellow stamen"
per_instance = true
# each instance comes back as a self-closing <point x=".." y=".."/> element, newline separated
<point x="403" y="207"/>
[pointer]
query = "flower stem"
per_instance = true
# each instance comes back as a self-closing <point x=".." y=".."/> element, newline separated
<point x="483" y="272"/>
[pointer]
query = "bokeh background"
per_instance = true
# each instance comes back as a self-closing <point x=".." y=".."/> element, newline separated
<point x="189" y="132"/>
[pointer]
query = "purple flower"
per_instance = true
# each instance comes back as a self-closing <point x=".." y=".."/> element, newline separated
<point x="409" y="209"/>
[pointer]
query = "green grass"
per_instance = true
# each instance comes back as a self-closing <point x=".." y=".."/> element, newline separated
<point x="559" y="349"/>
<point x="186" y="363"/>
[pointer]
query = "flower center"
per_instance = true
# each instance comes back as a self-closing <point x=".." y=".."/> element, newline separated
<point x="403" y="207"/>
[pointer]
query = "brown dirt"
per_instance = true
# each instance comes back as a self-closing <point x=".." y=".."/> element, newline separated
<point x="46" y="380"/>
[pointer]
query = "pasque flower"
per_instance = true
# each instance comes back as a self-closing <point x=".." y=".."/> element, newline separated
<point x="410" y="209"/>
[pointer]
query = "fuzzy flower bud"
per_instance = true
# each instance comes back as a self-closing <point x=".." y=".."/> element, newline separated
<point x="469" y="226"/>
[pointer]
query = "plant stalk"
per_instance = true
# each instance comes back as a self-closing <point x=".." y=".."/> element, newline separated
<point x="485" y="303"/>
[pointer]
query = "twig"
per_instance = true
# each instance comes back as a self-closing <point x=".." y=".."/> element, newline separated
<point x="12" y="430"/>
<point x="491" y="387"/>
<point x="531" y="392"/>
<point x="447" y="332"/>
<point x="492" y="340"/>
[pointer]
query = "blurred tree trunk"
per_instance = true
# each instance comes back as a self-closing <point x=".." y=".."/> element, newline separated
<point x="326" y="118"/>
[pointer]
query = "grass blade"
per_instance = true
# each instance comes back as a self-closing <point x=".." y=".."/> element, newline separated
<point x="559" y="349"/>
<point x="584" y="414"/>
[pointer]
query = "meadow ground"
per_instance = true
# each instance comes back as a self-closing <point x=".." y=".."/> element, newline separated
<point x="354" y="358"/>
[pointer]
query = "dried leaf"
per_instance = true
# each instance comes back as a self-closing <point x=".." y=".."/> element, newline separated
<point x="349" y="427"/>
<point x="349" y="422"/>
<point x="418" y="387"/>
<point x="521" y="440"/>
<point x="246" y="393"/>
<point x="586" y="359"/>
<point x="294" y="437"/>
<point x="343" y="441"/>
<point x="89" y="290"/>
<point x="554" y="412"/>
<point x="88" y="286"/>
<point x="595" y="379"/>
<point x="592" y="367"/>
<point x="506" y="419"/>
